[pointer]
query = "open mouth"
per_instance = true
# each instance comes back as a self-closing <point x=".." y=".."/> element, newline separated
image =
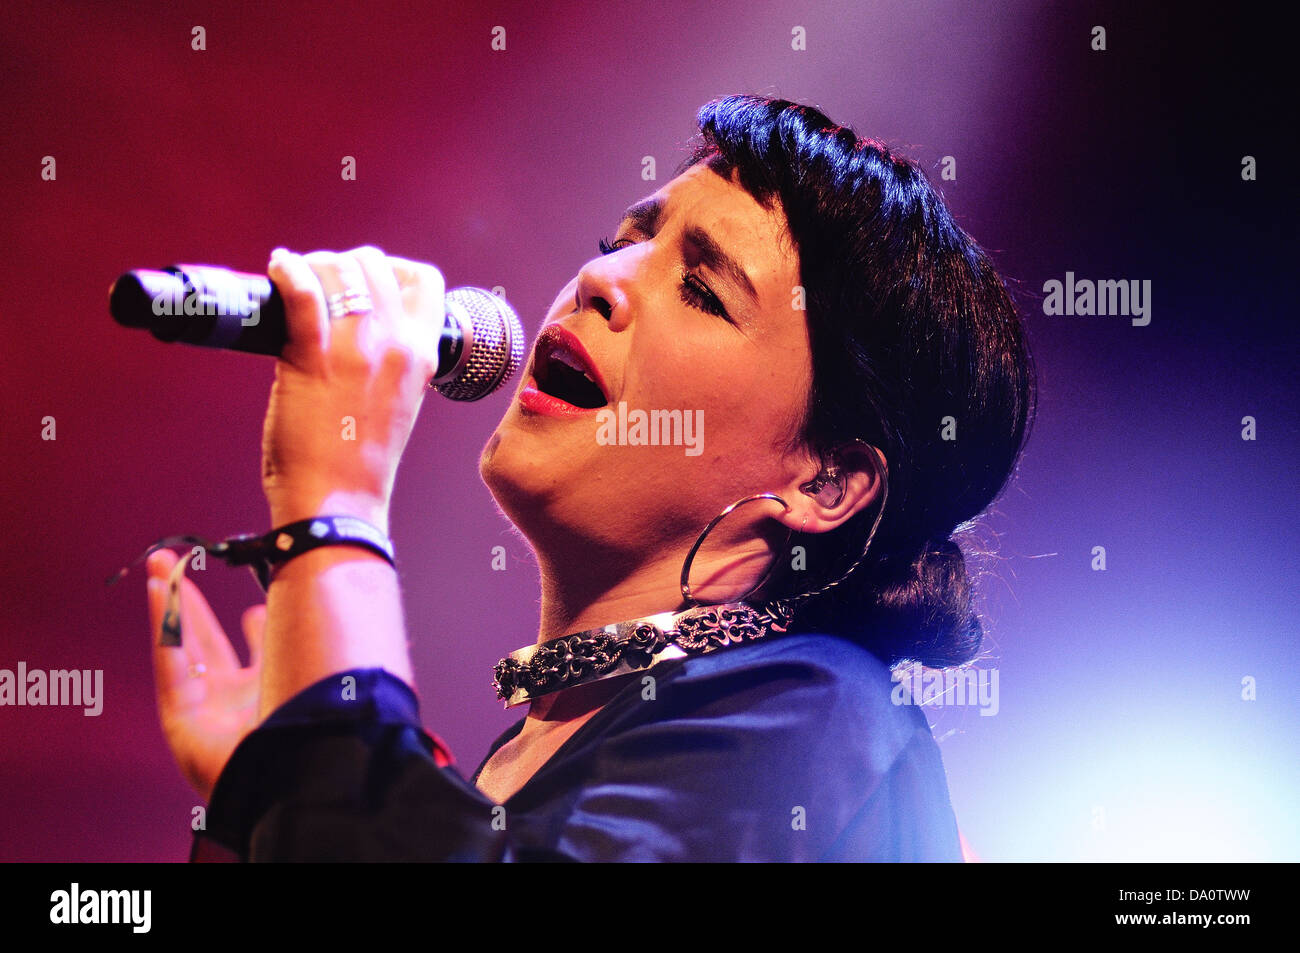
<point x="563" y="370"/>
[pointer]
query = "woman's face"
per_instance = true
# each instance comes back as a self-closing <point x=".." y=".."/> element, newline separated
<point x="694" y="312"/>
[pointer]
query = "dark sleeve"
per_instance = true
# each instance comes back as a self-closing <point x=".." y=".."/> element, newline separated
<point x="343" y="771"/>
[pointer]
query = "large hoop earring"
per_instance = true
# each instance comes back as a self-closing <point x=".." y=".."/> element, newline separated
<point x="690" y="557"/>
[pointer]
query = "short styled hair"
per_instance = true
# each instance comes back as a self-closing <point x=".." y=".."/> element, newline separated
<point x="913" y="333"/>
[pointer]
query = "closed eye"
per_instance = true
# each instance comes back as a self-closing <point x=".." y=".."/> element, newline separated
<point x="606" y="248"/>
<point x="694" y="292"/>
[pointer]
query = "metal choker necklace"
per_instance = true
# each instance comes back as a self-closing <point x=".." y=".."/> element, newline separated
<point x="633" y="646"/>
<point x="639" y="644"/>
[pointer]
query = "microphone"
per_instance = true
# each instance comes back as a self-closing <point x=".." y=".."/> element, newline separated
<point x="481" y="346"/>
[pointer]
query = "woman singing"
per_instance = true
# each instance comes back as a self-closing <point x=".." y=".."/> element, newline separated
<point x="711" y="673"/>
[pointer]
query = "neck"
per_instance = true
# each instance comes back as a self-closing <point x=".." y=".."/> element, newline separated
<point x="574" y="601"/>
<point x="582" y="591"/>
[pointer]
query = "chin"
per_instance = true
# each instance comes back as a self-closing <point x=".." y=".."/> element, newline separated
<point x="546" y="493"/>
<point x="493" y="468"/>
<point x="521" y="484"/>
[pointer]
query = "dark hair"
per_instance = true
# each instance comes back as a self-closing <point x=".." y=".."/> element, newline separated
<point x="909" y="324"/>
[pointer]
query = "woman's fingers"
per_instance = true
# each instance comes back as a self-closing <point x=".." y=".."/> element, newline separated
<point x="365" y="270"/>
<point x="379" y="277"/>
<point x="209" y="643"/>
<point x="399" y="289"/>
<point x="158" y="567"/>
<point x="306" y="315"/>
<point x="423" y="288"/>
<point x="407" y="292"/>
<point x="170" y="662"/>
<point x="339" y="274"/>
<point x="203" y="639"/>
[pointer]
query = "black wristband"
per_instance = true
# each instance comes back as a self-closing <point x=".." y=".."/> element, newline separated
<point x="261" y="554"/>
<point x="264" y="553"/>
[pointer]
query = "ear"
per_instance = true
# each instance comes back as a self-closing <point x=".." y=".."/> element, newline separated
<point x="822" y="499"/>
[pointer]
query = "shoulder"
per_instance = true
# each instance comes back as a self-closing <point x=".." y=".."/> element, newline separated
<point x="832" y="659"/>
<point x="814" y="679"/>
<point x="777" y="750"/>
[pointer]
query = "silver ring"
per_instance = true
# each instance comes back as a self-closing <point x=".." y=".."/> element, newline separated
<point x="197" y="670"/>
<point x="349" y="302"/>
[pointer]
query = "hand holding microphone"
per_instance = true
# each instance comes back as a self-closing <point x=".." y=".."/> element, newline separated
<point x="349" y="386"/>
<point x="481" y="342"/>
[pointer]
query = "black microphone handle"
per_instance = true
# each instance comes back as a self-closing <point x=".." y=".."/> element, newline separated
<point x="219" y="308"/>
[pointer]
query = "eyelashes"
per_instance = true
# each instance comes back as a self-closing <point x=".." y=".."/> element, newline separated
<point x="693" y="291"/>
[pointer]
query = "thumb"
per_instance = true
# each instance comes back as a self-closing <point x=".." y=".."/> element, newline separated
<point x="253" y="622"/>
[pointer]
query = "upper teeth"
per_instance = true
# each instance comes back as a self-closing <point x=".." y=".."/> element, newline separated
<point x="568" y="359"/>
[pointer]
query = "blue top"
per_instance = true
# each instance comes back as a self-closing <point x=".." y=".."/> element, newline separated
<point x="786" y="749"/>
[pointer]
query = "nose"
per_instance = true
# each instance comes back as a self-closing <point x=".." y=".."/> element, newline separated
<point x="598" y="290"/>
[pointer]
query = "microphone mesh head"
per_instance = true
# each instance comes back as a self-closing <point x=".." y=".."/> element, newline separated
<point x="496" y="345"/>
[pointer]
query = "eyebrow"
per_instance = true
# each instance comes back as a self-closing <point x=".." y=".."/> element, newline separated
<point x="645" y="216"/>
